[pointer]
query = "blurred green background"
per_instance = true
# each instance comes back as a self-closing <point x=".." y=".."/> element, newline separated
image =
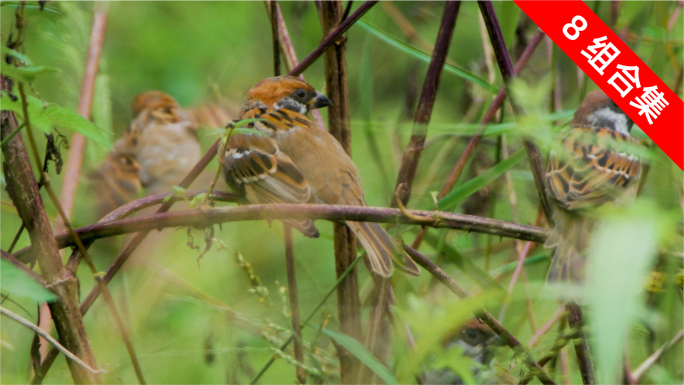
<point x="196" y="51"/>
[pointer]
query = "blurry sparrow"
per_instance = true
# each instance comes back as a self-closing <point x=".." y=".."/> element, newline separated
<point x="592" y="171"/>
<point x="162" y="139"/>
<point x="116" y="182"/>
<point x="477" y="341"/>
<point x="298" y="162"/>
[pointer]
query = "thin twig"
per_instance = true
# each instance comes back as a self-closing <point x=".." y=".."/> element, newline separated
<point x="294" y="301"/>
<point x="639" y="372"/>
<point x="508" y="74"/>
<point x="412" y="153"/>
<point x="275" y="36"/>
<point x="342" y="28"/>
<point x="26" y="323"/>
<point x="74" y="163"/>
<point x="308" y="318"/>
<point x="547" y="326"/>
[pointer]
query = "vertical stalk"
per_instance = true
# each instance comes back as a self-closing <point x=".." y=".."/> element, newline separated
<point x="294" y="301"/>
<point x="23" y="190"/>
<point x="348" y="302"/>
<point x="74" y="161"/>
<point x="508" y="74"/>
<point x="581" y="346"/>
<point x="275" y="36"/>
<point x="413" y="151"/>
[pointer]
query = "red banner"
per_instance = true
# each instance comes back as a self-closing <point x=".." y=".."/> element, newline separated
<point x="618" y="71"/>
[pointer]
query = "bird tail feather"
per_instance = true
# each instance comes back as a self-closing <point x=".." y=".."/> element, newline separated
<point x="571" y="240"/>
<point x="382" y="249"/>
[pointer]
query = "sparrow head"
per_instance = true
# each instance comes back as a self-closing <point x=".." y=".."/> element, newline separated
<point x="476" y="339"/>
<point x="287" y="92"/>
<point x="154" y="100"/>
<point x="599" y="111"/>
<point x="126" y="163"/>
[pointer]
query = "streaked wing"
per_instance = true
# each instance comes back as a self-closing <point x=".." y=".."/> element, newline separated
<point x="254" y="165"/>
<point x="594" y="170"/>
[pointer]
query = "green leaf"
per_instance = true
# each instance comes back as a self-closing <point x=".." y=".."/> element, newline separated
<point x="507" y="268"/>
<point x="15" y="281"/>
<point x="508" y="21"/>
<point x="45" y="117"/>
<point x="360" y="352"/>
<point x="476" y="184"/>
<point x="418" y="54"/>
<point x="623" y="246"/>
<point x="197" y="199"/>
<point x="25" y="74"/>
<point x="16" y="55"/>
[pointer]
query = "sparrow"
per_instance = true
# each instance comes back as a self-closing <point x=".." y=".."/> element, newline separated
<point x="295" y="161"/>
<point x="162" y="139"/>
<point x="478" y="342"/>
<point x="116" y="182"/>
<point x="593" y="170"/>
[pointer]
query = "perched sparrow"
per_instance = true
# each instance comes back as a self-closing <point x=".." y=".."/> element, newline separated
<point x="477" y="341"/>
<point x="116" y="182"/>
<point x="593" y="170"/>
<point x="298" y="162"/>
<point x="162" y="139"/>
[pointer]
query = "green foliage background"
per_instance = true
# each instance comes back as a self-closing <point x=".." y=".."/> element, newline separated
<point x="196" y="50"/>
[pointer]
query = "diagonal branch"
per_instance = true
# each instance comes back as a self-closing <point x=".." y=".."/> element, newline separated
<point x="508" y="74"/>
<point x="332" y="36"/>
<point x="74" y="163"/>
<point x="49" y="338"/>
<point x="412" y="153"/>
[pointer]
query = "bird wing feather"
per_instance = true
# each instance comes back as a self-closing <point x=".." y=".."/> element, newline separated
<point x="594" y="169"/>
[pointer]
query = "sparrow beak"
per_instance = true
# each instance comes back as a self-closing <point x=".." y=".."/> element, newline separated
<point x="319" y="101"/>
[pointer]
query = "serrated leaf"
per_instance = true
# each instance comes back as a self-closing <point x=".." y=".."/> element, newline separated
<point x="45" y="117"/>
<point x="25" y="74"/>
<point x="15" y="281"/>
<point x="476" y="184"/>
<point x="420" y="55"/>
<point x="359" y="351"/>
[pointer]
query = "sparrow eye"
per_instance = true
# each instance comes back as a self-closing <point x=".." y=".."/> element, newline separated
<point x="300" y="93"/>
<point x="471" y="336"/>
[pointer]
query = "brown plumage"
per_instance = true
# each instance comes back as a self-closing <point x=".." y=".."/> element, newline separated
<point x="591" y="169"/>
<point x="295" y="161"/>
<point x="162" y="139"/>
<point x="116" y="182"/>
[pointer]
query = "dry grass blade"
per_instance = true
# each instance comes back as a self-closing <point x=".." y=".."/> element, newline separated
<point x="36" y="329"/>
